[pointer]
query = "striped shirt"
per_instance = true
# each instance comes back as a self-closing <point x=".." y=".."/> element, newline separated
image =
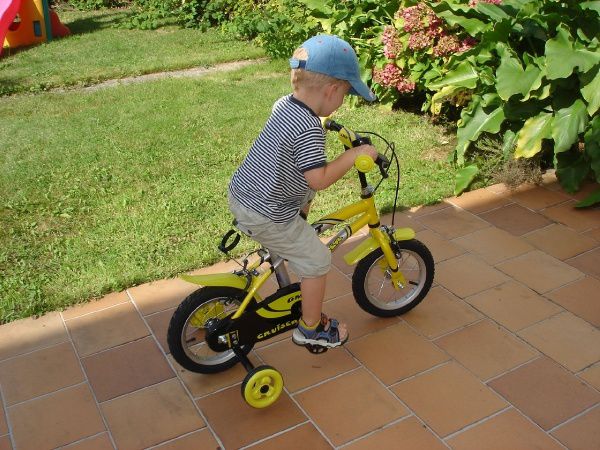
<point x="270" y="180"/>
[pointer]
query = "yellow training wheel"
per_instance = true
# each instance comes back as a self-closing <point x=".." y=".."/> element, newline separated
<point x="262" y="386"/>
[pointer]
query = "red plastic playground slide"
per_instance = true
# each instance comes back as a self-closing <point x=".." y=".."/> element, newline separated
<point x="8" y="11"/>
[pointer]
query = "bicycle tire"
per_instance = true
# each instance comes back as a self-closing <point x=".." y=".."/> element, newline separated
<point x="371" y="274"/>
<point x="190" y="314"/>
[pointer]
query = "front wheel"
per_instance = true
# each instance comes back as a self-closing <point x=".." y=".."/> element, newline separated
<point x="201" y="310"/>
<point x="372" y="284"/>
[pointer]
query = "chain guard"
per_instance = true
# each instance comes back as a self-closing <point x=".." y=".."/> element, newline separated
<point x="276" y="314"/>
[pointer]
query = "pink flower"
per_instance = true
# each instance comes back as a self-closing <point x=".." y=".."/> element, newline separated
<point x="436" y="28"/>
<point x="412" y="17"/>
<point x="406" y="86"/>
<point x="392" y="46"/>
<point x="467" y="44"/>
<point x="390" y="75"/>
<point x="419" y="41"/>
<point x="446" y="45"/>
<point x="418" y="18"/>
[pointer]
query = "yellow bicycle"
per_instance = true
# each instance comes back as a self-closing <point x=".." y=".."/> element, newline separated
<point x="217" y="325"/>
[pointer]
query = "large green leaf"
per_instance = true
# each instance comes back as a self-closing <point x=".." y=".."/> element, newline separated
<point x="592" y="146"/>
<point x="519" y="111"/>
<point x="464" y="177"/>
<point x="590" y="89"/>
<point x="499" y="33"/>
<point x="508" y="143"/>
<point x="440" y="97"/>
<point x="478" y="121"/>
<point x="567" y="124"/>
<point x="512" y="79"/>
<point x="562" y="58"/>
<point x="572" y="168"/>
<point x="472" y="26"/>
<point x="492" y="11"/>
<point x="590" y="200"/>
<point x="318" y="8"/>
<point x="593" y="5"/>
<point x="464" y="75"/>
<point x="535" y="129"/>
<point x="518" y="4"/>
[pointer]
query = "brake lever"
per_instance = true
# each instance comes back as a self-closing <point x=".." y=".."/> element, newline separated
<point x="384" y="164"/>
<point x="361" y="140"/>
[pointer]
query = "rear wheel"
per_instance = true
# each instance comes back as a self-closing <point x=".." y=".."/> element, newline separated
<point x="202" y="309"/>
<point x="372" y="284"/>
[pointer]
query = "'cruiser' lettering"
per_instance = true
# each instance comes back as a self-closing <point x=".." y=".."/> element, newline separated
<point x="276" y="329"/>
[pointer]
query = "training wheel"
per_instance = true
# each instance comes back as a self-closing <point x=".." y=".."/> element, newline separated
<point x="262" y="386"/>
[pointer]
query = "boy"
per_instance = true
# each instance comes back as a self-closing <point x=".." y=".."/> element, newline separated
<point x="269" y="194"/>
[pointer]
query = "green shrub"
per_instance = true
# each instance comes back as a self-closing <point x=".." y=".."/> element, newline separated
<point x="524" y="69"/>
<point x="533" y="77"/>
<point x="278" y="26"/>
<point x="88" y="5"/>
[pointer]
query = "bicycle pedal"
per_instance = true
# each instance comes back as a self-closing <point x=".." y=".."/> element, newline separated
<point x="316" y="349"/>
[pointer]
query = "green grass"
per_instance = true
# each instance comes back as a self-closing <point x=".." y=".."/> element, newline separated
<point x="100" y="50"/>
<point x="106" y="189"/>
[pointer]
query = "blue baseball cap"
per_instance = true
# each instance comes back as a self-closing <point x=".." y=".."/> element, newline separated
<point x="333" y="56"/>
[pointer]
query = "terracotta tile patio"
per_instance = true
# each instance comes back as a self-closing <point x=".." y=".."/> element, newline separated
<point x="504" y="353"/>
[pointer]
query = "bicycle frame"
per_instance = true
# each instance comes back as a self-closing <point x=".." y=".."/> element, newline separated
<point x="250" y="279"/>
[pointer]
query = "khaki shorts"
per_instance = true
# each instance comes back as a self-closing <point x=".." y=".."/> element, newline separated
<point x="296" y="241"/>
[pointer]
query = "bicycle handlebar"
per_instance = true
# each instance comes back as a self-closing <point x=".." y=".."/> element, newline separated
<point x="351" y="139"/>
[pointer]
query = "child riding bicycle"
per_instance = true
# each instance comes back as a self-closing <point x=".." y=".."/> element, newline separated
<point x="271" y="191"/>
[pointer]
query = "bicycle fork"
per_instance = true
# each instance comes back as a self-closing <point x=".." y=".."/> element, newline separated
<point x="385" y="241"/>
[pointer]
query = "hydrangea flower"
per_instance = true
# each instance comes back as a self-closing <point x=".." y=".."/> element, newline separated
<point x="419" y="40"/>
<point x="392" y="46"/>
<point x="412" y="17"/>
<point x="426" y="34"/>
<point x="446" y="45"/>
<point x="418" y="18"/>
<point x="390" y="75"/>
<point x="467" y="44"/>
<point x="406" y="86"/>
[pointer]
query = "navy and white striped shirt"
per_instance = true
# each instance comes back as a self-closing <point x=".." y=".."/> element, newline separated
<point x="270" y="180"/>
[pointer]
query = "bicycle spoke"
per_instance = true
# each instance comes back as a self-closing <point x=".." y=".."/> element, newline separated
<point x="386" y="296"/>
<point x="382" y="285"/>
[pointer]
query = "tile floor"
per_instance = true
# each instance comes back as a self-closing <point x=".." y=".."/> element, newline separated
<point x="504" y="353"/>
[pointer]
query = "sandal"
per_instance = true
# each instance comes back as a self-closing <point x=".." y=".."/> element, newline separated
<point x="326" y="334"/>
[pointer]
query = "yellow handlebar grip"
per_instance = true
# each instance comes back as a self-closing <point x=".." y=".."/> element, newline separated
<point x="364" y="163"/>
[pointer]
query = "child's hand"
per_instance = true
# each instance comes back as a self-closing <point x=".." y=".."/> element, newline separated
<point x="366" y="150"/>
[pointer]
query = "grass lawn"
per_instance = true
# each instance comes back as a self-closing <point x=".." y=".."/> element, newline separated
<point x="107" y="189"/>
<point x="99" y="49"/>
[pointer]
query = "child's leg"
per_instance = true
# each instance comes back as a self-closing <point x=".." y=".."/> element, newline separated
<point x="297" y="242"/>
<point x="313" y="292"/>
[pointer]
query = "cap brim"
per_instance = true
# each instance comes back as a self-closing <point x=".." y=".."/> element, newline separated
<point x="362" y="90"/>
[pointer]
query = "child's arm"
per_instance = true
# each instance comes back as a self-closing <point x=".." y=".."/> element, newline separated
<point x="323" y="177"/>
